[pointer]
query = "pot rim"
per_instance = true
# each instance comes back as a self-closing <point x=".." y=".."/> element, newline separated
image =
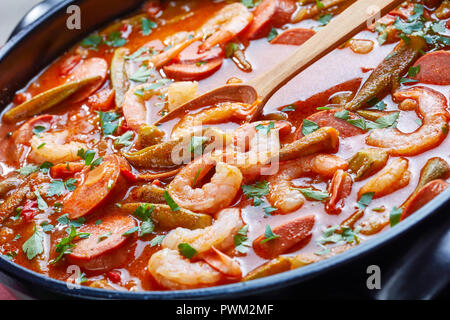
<point x="233" y="290"/>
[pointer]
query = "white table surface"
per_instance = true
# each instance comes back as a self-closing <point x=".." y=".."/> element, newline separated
<point x="11" y="11"/>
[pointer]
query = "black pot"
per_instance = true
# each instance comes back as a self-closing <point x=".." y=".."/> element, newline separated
<point x="414" y="256"/>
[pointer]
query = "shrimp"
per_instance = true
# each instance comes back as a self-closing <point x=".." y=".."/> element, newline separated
<point x="134" y="109"/>
<point x="45" y="146"/>
<point x="22" y="136"/>
<point x="219" y="235"/>
<point x="432" y="108"/>
<point x="212" y="196"/>
<point x="173" y="271"/>
<point x="223" y="112"/>
<point x="254" y="147"/>
<point x="53" y="147"/>
<point x="177" y="43"/>
<point x="225" y="25"/>
<point x="393" y="177"/>
<point x="286" y="199"/>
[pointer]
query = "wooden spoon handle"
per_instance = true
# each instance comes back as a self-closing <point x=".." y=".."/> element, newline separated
<point x="354" y="19"/>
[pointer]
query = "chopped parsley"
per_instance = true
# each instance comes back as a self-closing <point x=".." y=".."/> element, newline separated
<point x="325" y="19"/>
<point x="319" y="4"/>
<point x="45" y="167"/>
<point x="336" y="234"/>
<point x="383" y="34"/>
<point x="42" y="205"/>
<point x="395" y="216"/>
<point x="389" y="120"/>
<point x="65" y="245"/>
<point x="147" y="227"/>
<point x="115" y="39"/>
<point x="157" y="240"/>
<point x="27" y="170"/>
<point x="230" y="49"/>
<point x="343" y="115"/>
<point x="109" y="122"/>
<point x="268" y="210"/>
<point x="125" y="139"/>
<point x="88" y="157"/>
<point x="137" y="53"/>
<point x="240" y="240"/>
<point x="256" y="191"/>
<point x="269" y="235"/>
<point x="91" y="42"/>
<point x="130" y="232"/>
<point x="379" y="105"/>
<point x="365" y="200"/>
<point x="417" y="25"/>
<point x="309" y="127"/>
<point x="250" y="3"/>
<point x="141" y="75"/>
<point x="104" y="236"/>
<point x="38" y="129"/>
<point x="47" y="227"/>
<point x="64" y="220"/>
<point x="412" y="72"/>
<point x="33" y="246"/>
<point x="289" y="108"/>
<point x="58" y="187"/>
<point x="147" y="26"/>
<point x="172" y="204"/>
<point x="153" y="86"/>
<point x="272" y="34"/>
<point x="310" y="193"/>
<point x="196" y="177"/>
<point x="10" y="255"/>
<point x="143" y="212"/>
<point x="265" y="129"/>
<point x="196" y="144"/>
<point x="359" y="123"/>
<point x="187" y="250"/>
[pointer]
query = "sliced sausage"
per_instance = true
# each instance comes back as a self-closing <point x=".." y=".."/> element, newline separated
<point x="69" y="64"/>
<point x="192" y="71"/>
<point x="99" y="183"/>
<point x="192" y="54"/>
<point x="290" y="234"/>
<point x="102" y="100"/>
<point x="66" y="170"/>
<point x="92" y="67"/>
<point x="105" y="248"/>
<point x="434" y="68"/>
<point x="270" y="14"/>
<point x="295" y="36"/>
<point x="327" y="118"/>
<point x="428" y="192"/>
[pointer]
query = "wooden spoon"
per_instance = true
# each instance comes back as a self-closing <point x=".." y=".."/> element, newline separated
<point x="355" y="18"/>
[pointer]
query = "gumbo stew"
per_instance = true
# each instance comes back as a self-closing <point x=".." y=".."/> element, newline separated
<point x="100" y="171"/>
